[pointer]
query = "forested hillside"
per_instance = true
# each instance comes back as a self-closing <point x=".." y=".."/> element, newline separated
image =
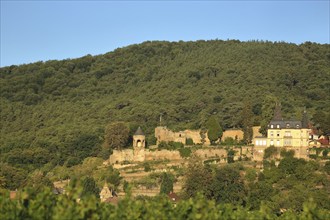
<point x="56" y="111"/>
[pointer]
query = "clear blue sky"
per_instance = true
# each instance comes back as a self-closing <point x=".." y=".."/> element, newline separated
<point x="34" y="30"/>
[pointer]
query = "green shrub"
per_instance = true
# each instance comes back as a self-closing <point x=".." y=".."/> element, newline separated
<point x="325" y="152"/>
<point x="230" y="156"/>
<point x="170" y="145"/>
<point x="270" y="152"/>
<point x="229" y="141"/>
<point x="185" y="152"/>
<point x="189" y="141"/>
<point x="147" y="167"/>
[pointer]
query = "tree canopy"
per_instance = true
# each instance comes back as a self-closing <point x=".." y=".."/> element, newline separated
<point x="55" y="113"/>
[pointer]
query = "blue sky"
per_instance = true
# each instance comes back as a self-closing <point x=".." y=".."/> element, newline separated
<point x="45" y="30"/>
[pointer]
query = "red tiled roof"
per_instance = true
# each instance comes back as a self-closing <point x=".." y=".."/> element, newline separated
<point x="173" y="196"/>
<point x="113" y="200"/>
<point x="13" y="194"/>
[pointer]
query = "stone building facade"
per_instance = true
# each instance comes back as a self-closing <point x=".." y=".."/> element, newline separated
<point x="288" y="134"/>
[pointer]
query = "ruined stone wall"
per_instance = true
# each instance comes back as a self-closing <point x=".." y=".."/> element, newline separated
<point x="299" y="152"/>
<point x="162" y="155"/>
<point x="166" y="135"/>
<point x="148" y="155"/>
<point x="196" y="136"/>
<point x="143" y="155"/>
<point x="235" y="134"/>
<point x="222" y="153"/>
<point x="119" y="156"/>
<point x="209" y="153"/>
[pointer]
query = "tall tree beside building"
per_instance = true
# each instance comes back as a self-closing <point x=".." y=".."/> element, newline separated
<point x="214" y="132"/>
<point x="247" y="122"/>
<point x="267" y="112"/>
<point x="116" y="135"/>
<point x="167" y="183"/>
<point x="321" y="122"/>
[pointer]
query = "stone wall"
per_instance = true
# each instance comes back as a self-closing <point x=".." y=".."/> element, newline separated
<point x="255" y="153"/>
<point x="166" y="135"/>
<point x="148" y="155"/>
<point x="119" y="156"/>
<point x="196" y="136"/>
<point x="143" y="155"/>
<point x="299" y="152"/>
<point x="162" y="155"/>
<point x="209" y="153"/>
<point x="235" y="134"/>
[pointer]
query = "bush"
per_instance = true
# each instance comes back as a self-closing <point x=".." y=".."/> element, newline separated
<point x="270" y="152"/>
<point x="185" y="152"/>
<point x="147" y="167"/>
<point x="229" y="141"/>
<point x="230" y="156"/>
<point x="327" y="167"/>
<point x="189" y="141"/>
<point x="170" y="145"/>
<point x="284" y="153"/>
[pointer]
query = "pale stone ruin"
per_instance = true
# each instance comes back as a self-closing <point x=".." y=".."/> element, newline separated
<point x="166" y="135"/>
<point x="140" y="154"/>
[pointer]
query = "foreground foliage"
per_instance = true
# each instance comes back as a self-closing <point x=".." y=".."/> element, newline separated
<point x="46" y="205"/>
<point x="283" y="187"/>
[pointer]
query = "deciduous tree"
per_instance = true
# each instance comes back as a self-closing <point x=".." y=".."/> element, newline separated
<point x="116" y="135"/>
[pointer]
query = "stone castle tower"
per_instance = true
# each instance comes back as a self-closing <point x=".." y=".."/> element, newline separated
<point x="139" y="140"/>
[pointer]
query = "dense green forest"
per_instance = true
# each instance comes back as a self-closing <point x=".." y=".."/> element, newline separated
<point x="55" y="112"/>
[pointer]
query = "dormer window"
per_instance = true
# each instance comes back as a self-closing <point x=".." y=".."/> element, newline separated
<point x="297" y="126"/>
<point x="278" y="126"/>
<point x="271" y="126"/>
<point x="287" y="125"/>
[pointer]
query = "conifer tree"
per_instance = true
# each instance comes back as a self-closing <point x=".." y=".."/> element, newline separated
<point x="167" y="183"/>
<point x="247" y="122"/>
<point x="214" y="132"/>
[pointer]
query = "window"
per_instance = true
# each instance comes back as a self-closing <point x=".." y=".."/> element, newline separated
<point x="271" y="142"/>
<point x="271" y="133"/>
<point x="287" y="134"/>
<point x="264" y="143"/>
<point x="297" y="126"/>
<point x="278" y="126"/>
<point x="278" y="142"/>
<point x="271" y="126"/>
<point x="278" y="134"/>
<point x="287" y="142"/>
<point x="287" y="125"/>
<point x="257" y="142"/>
